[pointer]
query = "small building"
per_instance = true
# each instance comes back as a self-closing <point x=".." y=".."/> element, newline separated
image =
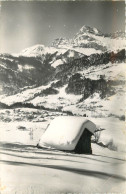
<point x="69" y="133"/>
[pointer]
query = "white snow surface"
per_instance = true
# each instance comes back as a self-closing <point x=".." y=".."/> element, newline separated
<point x="95" y="30"/>
<point x="26" y="66"/>
<point x="94" y="106"/>
<point x="41" y="50"/>
<point x="87" y="51"/>
<point x="113" y="135"/>
<point x="26" y="169"/>
<point x="50" y="101"/>
<point x="38" y="171"/>
<point x="37" y="50"/>
<point x="23" y="96"/>
<point x="64" y="132"/>
<point x="115" y="71"/>
<point x="3" y="66"/>
<point x="54" y="101"/>
<point x="71" y="54"/>
<point x="112" y="44"/>
<point x="56" y="63"/>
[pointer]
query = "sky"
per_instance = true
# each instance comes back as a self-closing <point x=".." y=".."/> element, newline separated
<point x="24" y="24"/>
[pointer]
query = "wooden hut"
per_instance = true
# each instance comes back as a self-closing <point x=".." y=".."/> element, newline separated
<point x="69" y="133"/>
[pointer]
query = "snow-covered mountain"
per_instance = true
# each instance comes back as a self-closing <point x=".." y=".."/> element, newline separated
<point x="38" y="50"/>
<point x="87" y="41"/>
<point x="78" y="75"/>
<point x="92" y="40"/>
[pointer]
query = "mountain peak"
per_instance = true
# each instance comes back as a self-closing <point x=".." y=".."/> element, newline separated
<point x="90" y="30"/>
<point x="35" y="47"/>
<point x="60" y="41"/>
<point x="33" y="50"/>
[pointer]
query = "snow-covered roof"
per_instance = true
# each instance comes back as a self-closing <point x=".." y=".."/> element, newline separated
<point x="64" y="132"/>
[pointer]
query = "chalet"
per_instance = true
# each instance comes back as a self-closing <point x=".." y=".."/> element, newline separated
<point x="69" y="133"/>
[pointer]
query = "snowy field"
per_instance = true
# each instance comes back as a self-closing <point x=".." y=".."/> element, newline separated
<point x="25" y="169"/>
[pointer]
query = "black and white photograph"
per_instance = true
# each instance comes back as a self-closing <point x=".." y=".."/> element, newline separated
<point x="62" y="97"/>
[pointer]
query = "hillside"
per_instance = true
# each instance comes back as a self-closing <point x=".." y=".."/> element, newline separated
<point x="80" y="75"/>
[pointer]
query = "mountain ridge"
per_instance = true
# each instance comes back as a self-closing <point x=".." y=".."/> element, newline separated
<point x="67" y="74"/>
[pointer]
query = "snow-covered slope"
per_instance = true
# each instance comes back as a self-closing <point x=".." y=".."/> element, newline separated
<point x="39" y="50"/>
<point x="56" y="97"/>
<point x="79" y="75"/>
<point x="41" y="171"/>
